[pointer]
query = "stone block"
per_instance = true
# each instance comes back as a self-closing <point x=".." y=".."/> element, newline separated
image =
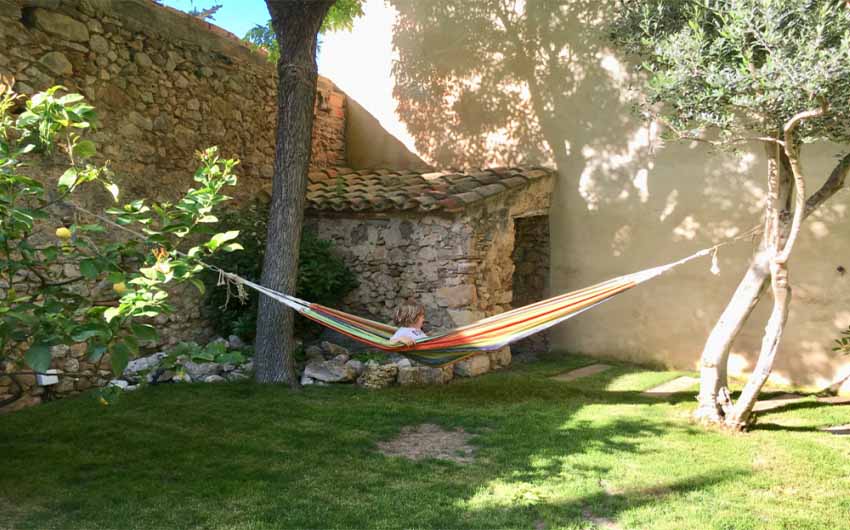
<point x="422" y="375"/>
<point x="10" y="9"/>
<point x="24" y="402"/>
<point x="477" y="365"/>
<point x="60" y="25"/>
<point x="142" y="59"/>
<point x="98" y="44"/>
<point x="457" y="296"/>
<point x="71" y="365"/>
<point x="79" y="349"/>
<point x="378" y="376"/>
<point x="330" y="372"/>
<point x="65" y="385"/>
<point x="463" y="317"/>
<point x="500" y="358"/>
<point x="334" y="349"/>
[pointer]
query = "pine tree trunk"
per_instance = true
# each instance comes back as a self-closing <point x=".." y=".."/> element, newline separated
<point x="296" y="25"/>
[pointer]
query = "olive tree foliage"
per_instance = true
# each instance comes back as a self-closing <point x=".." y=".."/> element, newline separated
<point x="116" y="284"/>
<point x="774" y="73"/>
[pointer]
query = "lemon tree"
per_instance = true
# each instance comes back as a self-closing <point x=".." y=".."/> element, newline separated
<point x="41" y="305"/>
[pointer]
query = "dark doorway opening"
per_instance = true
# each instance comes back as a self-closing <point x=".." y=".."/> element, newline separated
<point x="531" y="275"/>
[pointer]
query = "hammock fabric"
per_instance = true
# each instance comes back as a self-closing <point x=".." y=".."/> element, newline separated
<point x="456" y="345"/>
<point x="492" y="333"/>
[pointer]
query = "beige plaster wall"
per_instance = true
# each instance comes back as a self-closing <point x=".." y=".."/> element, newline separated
<point x="537" y="83"/>
<point x="370" y="146"/>
<point x="641" y="203"/>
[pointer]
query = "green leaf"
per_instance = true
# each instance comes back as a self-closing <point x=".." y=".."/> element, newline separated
<point x="220" y="238"/>
<point x="199" y="285"/>
<point x="111" y="313"/>
<point x="85" y="149"/>
<point x="89" y="269"/>
<point x="144" y="332"/>
<point x="112" y="188"/>
<point x="203" y="356"/>
<point x="87" y="331"/>
<point x="70" y="99"/>
<point x="90" y="228"/>
<point x="216" y="348"/>
<point x="68" y="178"/>
<point x="233" y="247"/>
<point x="230" y="358"/>
<point x="120" y="357"/>
<point x="50" y="253"/>
<point x="95" y="352"/>
<point x="27" y="119"/>
<point x="38" y="357"/>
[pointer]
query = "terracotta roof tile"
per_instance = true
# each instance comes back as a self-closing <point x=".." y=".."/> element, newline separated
<point x="343" y="189"/>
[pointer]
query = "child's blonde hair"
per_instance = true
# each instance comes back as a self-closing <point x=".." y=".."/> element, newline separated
<point x="407" y="313"/>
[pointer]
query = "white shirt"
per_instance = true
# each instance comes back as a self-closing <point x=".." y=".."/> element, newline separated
<point x="411" y="333"/>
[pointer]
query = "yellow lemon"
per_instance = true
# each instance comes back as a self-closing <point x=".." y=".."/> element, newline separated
<point x="103" y="401"/>
<point x="120" y="287"/>
<point x="63" y="233"/>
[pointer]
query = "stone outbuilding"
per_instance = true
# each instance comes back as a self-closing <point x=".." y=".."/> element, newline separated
<point x="465" y="244"/>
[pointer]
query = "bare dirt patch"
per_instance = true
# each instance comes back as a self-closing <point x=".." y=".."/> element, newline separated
<point x="430" y="441"/>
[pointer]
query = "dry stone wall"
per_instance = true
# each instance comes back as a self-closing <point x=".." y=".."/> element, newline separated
<point x="165" y="85"/>
<point x="162" y="92"/>
<point x="460" y="267"/>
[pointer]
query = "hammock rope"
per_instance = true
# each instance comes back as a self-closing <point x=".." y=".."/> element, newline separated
<point x="448" y="347"/>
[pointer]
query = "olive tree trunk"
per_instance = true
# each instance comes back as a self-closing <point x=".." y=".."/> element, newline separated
<point x="784" y="174"/>
<point x="296" y="25"/>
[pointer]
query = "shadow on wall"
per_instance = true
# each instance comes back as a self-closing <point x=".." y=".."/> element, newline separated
<point x="494" y="83"/>
<point x="479" y="84"/>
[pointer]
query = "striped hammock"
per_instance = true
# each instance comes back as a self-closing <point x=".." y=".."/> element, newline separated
<point x="492" y="333"/>
<point x="458" y="344"/>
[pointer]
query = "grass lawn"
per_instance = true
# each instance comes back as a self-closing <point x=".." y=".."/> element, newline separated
<point x="592" y="452"/>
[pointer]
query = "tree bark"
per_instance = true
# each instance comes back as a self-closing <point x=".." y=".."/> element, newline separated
<point x="739" y="417"/>
<point x="714" y="397"/>
<point x="715" y="405"/>
<point x="714" y="392"/>
<point x="296" y="25"/>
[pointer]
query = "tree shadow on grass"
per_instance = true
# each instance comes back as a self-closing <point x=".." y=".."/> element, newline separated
<point x="245" y="456"/>
<point x="602" y="508"/>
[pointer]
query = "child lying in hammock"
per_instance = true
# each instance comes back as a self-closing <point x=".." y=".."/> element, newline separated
<point x="409" y="316"/>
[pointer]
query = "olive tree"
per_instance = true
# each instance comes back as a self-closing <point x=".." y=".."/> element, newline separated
<point x="774" y="73"/>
